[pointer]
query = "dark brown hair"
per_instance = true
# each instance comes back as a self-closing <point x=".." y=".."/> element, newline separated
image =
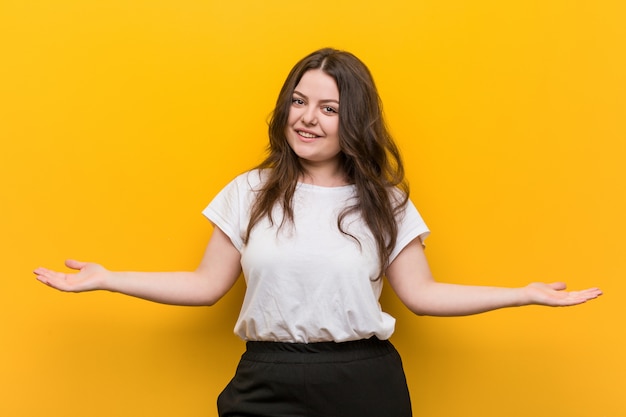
<point x="369" y="156"/>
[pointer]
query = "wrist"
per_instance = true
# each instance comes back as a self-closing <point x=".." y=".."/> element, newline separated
<point x="108" y="281"/>
<point x="523" y="297"/>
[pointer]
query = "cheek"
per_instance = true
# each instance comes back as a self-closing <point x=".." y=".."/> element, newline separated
<point x="333" y="127"/>
<point x="292" y="116"/>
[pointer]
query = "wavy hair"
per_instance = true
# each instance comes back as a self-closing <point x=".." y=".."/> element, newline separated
<point x="369" y="156"/>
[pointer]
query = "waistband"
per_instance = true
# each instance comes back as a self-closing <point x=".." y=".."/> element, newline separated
<point x="317" y="352"/>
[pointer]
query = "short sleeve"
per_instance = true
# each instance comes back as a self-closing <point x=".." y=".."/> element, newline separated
<point x="410" y="226"/>
<point x="230" y="209"/>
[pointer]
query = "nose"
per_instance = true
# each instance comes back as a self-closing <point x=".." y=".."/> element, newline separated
<point x="309" y="117"/>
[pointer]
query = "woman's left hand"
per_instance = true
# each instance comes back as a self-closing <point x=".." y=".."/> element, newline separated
<point x="554" y="294"/>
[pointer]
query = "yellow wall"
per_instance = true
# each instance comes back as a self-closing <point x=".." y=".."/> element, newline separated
<point x="120" y="119"/>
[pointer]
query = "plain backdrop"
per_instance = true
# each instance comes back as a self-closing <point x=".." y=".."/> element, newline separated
<point x="121" y="119"/>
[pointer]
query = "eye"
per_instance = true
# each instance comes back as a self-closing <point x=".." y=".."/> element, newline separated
<point x="329" y="110"/>
<point x="297" y="101"/>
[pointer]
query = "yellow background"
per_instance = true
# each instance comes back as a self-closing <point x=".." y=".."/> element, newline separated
<point x="121" y="119"/>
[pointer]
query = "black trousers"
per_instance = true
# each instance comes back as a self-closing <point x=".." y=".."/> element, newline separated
<point x="363" y="378"/>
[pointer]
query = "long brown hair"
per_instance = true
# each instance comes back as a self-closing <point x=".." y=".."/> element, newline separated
<point x="369" y="156"/>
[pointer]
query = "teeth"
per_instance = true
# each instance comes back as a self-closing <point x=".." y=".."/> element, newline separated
<point x="306" y="134"/>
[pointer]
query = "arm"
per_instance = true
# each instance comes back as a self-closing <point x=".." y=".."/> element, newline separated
<point x="217" y="273"/>
<point x="411" y="279"/>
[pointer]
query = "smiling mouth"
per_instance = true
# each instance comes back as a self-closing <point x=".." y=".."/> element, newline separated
<point x="306" y="134"/>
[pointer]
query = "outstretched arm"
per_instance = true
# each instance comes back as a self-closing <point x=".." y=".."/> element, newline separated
<point x="411" y="279"/>
<point x="216" y="274"/>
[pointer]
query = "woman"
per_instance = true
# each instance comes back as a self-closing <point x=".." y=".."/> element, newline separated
<point x="314" y="229"/>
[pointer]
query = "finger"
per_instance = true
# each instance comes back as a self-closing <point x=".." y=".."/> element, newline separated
<point x="46" y="273"/>
<point x="558" y="286"/>
<point x="579" y="297"/>
<point x="40" y="274"/>
<point x="49" y="277"/>
<point x="74" y="264"/>
<point x="39" y="271"/>
<point x="590" y="293"/>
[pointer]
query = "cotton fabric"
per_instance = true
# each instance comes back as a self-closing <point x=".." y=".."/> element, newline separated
<point x="308" y="282"/>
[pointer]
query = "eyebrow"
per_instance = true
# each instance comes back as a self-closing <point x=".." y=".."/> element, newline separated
<point x="321" y="101"/>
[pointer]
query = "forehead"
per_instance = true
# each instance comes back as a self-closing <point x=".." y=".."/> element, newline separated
<point x="317" y="83"/>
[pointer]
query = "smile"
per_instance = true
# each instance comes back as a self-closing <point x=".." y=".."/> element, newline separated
<point x="306" y="134"/>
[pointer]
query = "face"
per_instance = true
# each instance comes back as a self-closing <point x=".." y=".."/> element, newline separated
<point x="313" y="125"/>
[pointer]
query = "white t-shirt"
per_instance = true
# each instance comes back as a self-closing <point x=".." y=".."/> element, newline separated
<point x="307" y="281"/>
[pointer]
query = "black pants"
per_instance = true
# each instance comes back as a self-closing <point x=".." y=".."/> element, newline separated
<point x="361" y="379"/>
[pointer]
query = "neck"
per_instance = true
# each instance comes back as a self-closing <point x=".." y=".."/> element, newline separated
<point x="324" y="176"/>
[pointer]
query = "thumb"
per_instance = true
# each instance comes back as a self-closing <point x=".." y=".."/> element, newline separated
<point x="74" y="264"/>
<point x="558" y="286"/>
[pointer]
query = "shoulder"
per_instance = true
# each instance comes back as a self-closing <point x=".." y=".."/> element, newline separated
<point x="398" y="192"/>
<point x="399" y="198"/>
<point x="249" y="181"/>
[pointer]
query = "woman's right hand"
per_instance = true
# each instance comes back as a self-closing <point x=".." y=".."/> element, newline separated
<point x="89" y="277"/>
<point x="219" y="269"/>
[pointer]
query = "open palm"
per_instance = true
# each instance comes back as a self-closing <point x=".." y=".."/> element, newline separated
<point x="89" y="277"/>
<point x="555" y="295"/>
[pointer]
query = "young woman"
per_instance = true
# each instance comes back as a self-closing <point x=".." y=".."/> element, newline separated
<point x="314" y="229"/>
